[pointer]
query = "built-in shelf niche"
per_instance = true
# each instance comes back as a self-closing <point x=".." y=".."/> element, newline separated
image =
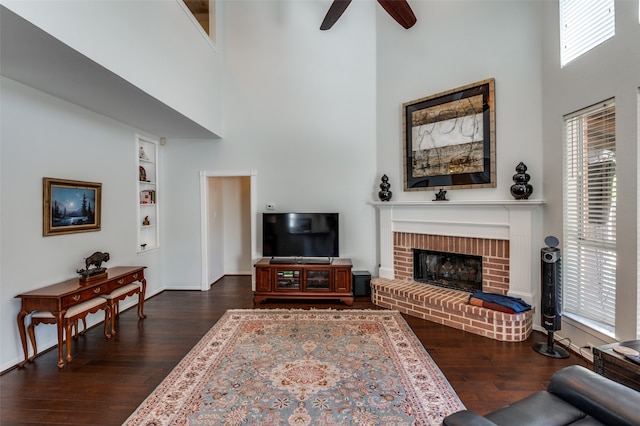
<point x="147" y="151"/>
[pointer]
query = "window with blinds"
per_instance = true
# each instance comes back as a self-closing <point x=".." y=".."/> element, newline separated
<point x="589" y="253"/>
<point x="584" y="24"/>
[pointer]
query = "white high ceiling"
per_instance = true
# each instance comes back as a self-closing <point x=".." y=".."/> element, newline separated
<point x="32" y="57"/>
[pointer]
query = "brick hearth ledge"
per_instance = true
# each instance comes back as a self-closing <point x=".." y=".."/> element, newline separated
<point x="450" y="308"/>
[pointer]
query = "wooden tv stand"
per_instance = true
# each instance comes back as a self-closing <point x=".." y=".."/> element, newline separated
<point x="303" y="281"/>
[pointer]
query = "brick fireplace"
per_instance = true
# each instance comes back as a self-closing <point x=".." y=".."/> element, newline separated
<point x="503" y="233"/>
<point x="494" y="254"/>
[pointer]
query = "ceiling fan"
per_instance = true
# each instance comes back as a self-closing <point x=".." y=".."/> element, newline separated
<point x="398" y="9"/>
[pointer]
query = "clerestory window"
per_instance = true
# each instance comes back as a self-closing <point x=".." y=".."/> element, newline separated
<point x="584" y="24"/>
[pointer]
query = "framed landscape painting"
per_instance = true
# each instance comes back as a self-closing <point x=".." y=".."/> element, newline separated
<point x="70" y="206"/>
<point x="450" y="139"/>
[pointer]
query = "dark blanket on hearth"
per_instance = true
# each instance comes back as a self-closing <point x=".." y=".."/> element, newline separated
<point x="495" y="300"/>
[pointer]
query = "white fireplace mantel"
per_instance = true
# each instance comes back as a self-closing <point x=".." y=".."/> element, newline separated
<point x="518" y="221"/>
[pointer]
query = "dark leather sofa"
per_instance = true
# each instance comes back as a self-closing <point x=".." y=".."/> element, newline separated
<point x="575" y="396"/>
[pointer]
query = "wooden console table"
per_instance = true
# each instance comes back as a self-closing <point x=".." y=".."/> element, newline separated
<point x="611" y="364"/>
<point x="304" y="281"/>
<point x="58" y="298"/>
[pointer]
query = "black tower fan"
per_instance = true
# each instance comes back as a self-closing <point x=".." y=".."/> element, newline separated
<point x="551" y="303"/>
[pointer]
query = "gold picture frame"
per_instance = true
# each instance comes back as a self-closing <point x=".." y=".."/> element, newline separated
<point x="70" y="206"/>
<point x="450" y="139"/>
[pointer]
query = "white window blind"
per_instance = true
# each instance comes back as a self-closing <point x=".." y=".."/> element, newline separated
<point x="584" y="24"/>
<point x="589" y="254"/>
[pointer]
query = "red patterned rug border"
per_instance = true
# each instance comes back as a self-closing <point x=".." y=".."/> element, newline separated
<point x="173" y="401"/>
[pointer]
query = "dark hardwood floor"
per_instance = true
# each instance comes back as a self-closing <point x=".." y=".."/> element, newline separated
<point x="108" y="379"/>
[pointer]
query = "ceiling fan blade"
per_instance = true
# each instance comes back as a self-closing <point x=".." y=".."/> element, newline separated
<point x="400" y="11"/>
<point x="335" y="11"/>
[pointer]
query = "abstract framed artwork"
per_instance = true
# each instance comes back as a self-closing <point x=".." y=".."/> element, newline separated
<point x="450" y="139"/>
<point x="70" y="206"/>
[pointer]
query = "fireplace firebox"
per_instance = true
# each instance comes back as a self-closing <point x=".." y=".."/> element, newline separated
<point x="449" y="270"/>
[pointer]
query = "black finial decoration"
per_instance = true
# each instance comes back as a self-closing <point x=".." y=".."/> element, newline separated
<point x="385" y="194"/>
<point x="521" y="190"/>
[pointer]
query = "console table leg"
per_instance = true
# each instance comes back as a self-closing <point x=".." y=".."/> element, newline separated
<point x="23" y="337"/>
<point x="59" y="324"/>
<point x="141" y="299"/>
<point x="69" y="333"/>
<point x="32" y="338"/>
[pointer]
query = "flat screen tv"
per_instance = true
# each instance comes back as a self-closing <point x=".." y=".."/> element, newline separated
<point x="300" y="235"/>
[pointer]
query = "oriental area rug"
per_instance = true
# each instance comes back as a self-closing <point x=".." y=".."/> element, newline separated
<point x="303" y="367"/>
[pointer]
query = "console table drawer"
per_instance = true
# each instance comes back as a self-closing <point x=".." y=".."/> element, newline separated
<point x="128" y="279"/>
<point x="84" y="295"/>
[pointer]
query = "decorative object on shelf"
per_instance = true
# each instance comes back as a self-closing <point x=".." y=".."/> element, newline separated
<point x="148" y="197"/>
<point x="143" y="155"/>
<point x="143" y="175"/>
<point x="143" y="246"/>
<point x="146" y="221"/>
<point x="95" y="260"/>
<point x="385" y="194"/>
<point x="450" y="139"/>
<point x="70" y="206"/>
<point x="441" y="196"/>
<point x="521" y="190"/>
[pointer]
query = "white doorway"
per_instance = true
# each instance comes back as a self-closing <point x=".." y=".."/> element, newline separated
<point x="228" y="240"/>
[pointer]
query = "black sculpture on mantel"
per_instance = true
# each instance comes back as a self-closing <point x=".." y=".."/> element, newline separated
<point x="441" y="196"/>
<point x="385" y="194"/>
<point x="521" y="190"/>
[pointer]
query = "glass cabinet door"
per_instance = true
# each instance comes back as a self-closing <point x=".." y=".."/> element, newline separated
<point x="317" y="279"/>
<point x="287" y="279"/>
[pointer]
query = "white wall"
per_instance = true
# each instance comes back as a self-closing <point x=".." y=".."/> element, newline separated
<point x="154" y="45"/>
<point x="215" y="231"/>
<point x="300" y="111"/>
<point x="181" y="238"/>
<point x="610" y="70"/>
<point x="42" y="136"/>
<point x="456" y="43"/>
<point x="237" y="225"/>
